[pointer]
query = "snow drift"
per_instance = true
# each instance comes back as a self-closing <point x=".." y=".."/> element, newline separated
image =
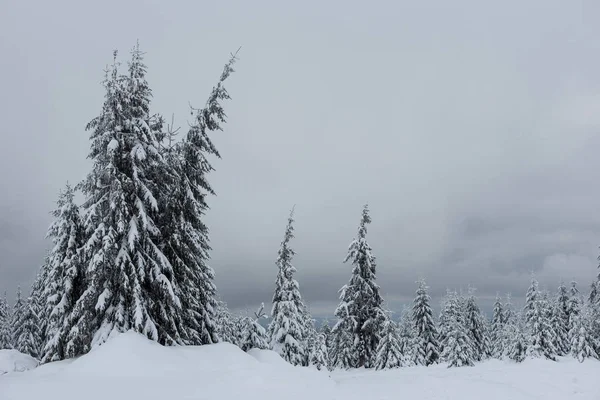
<point x="12" y="360"/>
<point x="132" y="367"/>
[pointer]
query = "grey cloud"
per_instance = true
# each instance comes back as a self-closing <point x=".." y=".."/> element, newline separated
<point x="470" y="128"/>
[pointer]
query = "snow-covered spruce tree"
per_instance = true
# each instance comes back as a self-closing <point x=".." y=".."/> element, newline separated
<point x="287" y="330"/>
<point x="444" y="319"/>
<point x="582" y="343"/>
<point x="341" y="351"/>
<point x="541" y="334"/>
<point x="560" y="320"/>
<point x="319" y="355"/>
<point x="185" y="234"/>
<point x="476" y="329"/>
<point x="254" y="335"/>
<point x="426" y="351"/>
<point x="360" y="308"/>
<point x="497" y="328"/>
<point x="40" y="307"/>
<point x="548" y="310"/>
<point x="574" y="310"/>
<point x="227" y="324"/>
<point x="26" y="332"/>
<point x="457" y="345"/>
<point x="6" y="340"/>
<point x="310" y="335"/>
<point x="16" y="316"/>
<point x="129" y="280"/>
<point x="64" y="276"/>
<point x="516" y="339"/>
<point x="405" y="337"/>
<point x="574" y="305"/>
<point x="326" y="330"/>
<point x="508" y="319"/>
<point x="389" y="353"/>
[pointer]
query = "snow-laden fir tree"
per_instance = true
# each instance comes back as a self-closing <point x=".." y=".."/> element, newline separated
<point x="574" y="304"/>
<point x="582" y="342"/>
<point x="508" y="319"/>
<point x="129" y="280"/>
<point x="444" y="319"/>
<point x="426" y="351"/>
<point x="405" y="337"/>
<point x="26" y="329"/>
<point x="389" y="353"/>
<point x="574" y="310"/>
<point x="360" y="308"/>
<point x="318" y="354"/>
<point x="497" y="328"/>
<point x="560" y="320"/>
<point x="476" y="329"/>
<point x="458" y="347"/>
<point x="227" y="324"/>
<point x="64" y="278"/>
<point x="310" y="335"/>
<point x="185" y="234"/>
<point x="40" y="307"/>
<point x="287" y="330"/>
<point x="16" y="316"/>
<point x="341" y="351"/>
<point x="254" y="335"/>
<point x="516" y="339"/>
<point x="6" y="340"/>
<point x="326" y="331"/>
<point x="537" y="313"/>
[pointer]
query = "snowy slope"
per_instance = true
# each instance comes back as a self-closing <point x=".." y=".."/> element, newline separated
<point x="12" y="360"/>
<point x="131" y="367"/>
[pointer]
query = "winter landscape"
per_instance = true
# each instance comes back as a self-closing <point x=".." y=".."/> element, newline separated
<point x="133" y="296"/>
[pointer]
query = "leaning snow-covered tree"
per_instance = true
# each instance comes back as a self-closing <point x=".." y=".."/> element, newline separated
<point x="426" y="351"/>
<point x="185" y="233"/>
<point x="6" y="341"/>
<point x="287" y="330"/>
<point x="389" y="353"/>
<point x="254" y="335"/>
<point x="64" y="278"/>
<point x="129" y="280"/>
<point x="360" y="308"/>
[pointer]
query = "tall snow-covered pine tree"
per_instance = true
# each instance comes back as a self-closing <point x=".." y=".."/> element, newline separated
<point x="360" y="309"/>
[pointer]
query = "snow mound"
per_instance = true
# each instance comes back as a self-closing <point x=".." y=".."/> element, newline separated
<point x="269" y="357"/>
<point x="129" y="366"/>
<point x="15" y="361"/>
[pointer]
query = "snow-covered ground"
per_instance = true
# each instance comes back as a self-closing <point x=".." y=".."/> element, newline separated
<point x="131" y="367"/>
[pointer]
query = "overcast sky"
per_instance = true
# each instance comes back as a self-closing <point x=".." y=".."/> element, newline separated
<point x="471" y="128"/>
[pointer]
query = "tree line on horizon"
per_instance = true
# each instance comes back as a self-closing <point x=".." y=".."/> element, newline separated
<point x="134" y="256"/>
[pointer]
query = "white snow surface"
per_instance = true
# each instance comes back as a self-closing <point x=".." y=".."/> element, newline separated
<point x="13" y="360"/>
<point x="129" y="367"/>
